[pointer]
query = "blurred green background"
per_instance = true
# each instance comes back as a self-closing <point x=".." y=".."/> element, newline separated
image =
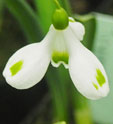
<point x="54" y="98"/>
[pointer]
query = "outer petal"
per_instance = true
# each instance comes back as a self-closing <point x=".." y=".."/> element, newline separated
<point x="77" y="28"/>
<point x="87" y="73"/>
<point x="34" y="60"/>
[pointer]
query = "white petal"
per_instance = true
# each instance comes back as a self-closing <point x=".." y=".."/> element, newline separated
<point x="59" y="51"/>
<point x="35" y="58"/>
<point x="83" y="66"/>
<point x="78" y="29"/>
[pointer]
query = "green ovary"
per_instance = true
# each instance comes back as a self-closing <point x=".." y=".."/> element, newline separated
<point x="60" y="56"/>
<point x="100" y="77"/>
<point x="14" y="69"/>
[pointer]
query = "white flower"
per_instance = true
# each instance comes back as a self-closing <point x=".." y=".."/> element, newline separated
<point x="29" y="64"/>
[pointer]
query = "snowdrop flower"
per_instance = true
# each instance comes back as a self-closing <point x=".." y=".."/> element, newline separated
<point x="61" y="45"/>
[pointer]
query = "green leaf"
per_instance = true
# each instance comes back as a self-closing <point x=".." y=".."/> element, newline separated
<point x="1" y="13"/>
<point x="27" y="18"/>
<point x="81" y="109"/>
<point x="90" y="25"/>
<point x="62" y="122"/>
<point x="102" y="110"/>
<point x="57" y="86"/>
<point x="45" y="9"/>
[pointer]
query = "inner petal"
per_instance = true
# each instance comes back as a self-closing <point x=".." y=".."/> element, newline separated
<point x="60" y="58"/>
<point x="59" y="51"/>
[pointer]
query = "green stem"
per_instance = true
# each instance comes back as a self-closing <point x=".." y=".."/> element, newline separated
<point x="57" y="4"/>
<point x="59" y="96"/>
<point x="67" y="7"/>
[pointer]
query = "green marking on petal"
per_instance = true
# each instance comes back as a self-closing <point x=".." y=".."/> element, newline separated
<point x="16" y="67"/>
<point x="100" y="77"/>
<point x="95" y="85"/>
<point x="71" y="20"/>
<point x="60" y="56"/>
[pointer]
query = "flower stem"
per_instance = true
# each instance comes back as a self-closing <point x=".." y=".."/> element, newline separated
<point x="57" y="4"/>
<point x="67" y="7"/>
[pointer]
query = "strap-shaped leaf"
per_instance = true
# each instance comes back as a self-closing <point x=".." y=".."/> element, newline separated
<point x="27" y="18"/>
<point x="103" y="48"/>
<point x="1" y="12"/>
<point x="45" y="9"/>
<point x="57" y="85"/>
<point x="90" y="26"/>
